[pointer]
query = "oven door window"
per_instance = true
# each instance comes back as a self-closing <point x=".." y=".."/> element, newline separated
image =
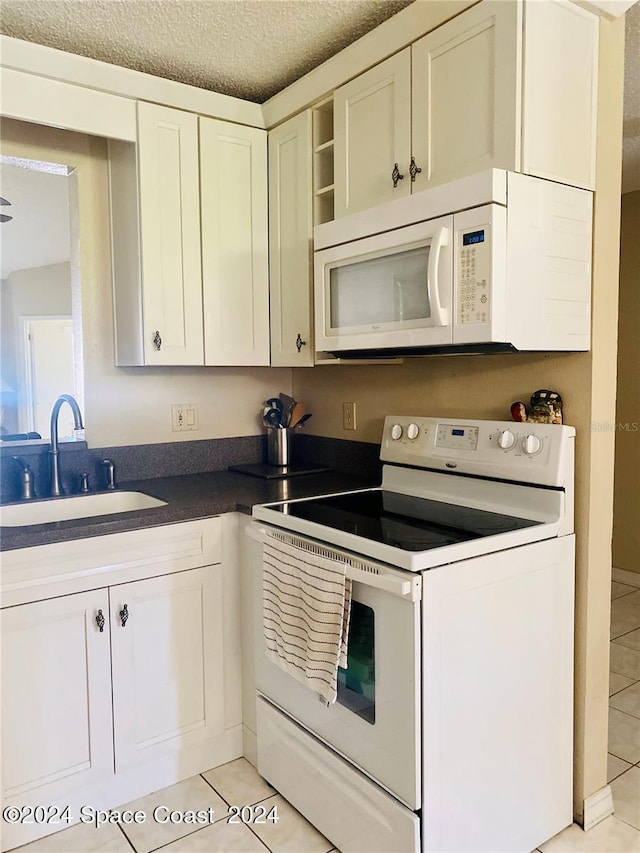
<point x="357" y="683"/>
<point x="387" y="292"/>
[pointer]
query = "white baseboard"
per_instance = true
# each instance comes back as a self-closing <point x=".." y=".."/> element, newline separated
<point x="597" y="807"/>
<point x="625" y="576"/>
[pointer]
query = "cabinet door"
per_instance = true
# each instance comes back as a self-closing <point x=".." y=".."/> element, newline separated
<point x="167" y="664"/>
<point x="466" y="94"/>
<point x="56" y="698"/>
<point x="170" y="236"/>
<point x="372" y="120"/>
<point x="290" y="242"/>
<point x="560" y="92"/>
<point x="233" y="176"/>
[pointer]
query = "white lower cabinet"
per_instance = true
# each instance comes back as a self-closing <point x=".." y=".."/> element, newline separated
<point x="114" y="692"/>
<point x="56" y="696"/>
<point x="166" y="645"/>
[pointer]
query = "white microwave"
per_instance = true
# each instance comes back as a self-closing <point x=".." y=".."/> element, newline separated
<point x="494" y="262"/>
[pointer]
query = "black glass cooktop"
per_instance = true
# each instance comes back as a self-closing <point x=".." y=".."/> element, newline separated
<point x="413" y="524"/>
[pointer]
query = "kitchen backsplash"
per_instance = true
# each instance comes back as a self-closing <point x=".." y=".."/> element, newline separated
<point x="146" y="461"/>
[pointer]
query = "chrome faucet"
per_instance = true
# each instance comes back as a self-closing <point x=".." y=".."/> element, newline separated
<point x="54" y="452"/>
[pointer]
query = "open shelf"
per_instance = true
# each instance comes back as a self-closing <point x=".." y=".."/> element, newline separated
<point x="324" y="147"/>
<point x="323" y="168"/>
<point x="324" y="190"/>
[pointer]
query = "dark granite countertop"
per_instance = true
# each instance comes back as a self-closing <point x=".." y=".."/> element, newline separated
<point x="188" y="497"/>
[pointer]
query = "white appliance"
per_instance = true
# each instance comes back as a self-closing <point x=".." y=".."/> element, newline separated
<point x="453" y="727"/>
<point x="493" y="262"/>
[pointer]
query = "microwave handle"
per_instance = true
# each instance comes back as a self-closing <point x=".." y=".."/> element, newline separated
<point x="440" y="239"/>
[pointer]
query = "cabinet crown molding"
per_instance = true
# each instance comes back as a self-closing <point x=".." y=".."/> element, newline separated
<point x="93" y="74"/>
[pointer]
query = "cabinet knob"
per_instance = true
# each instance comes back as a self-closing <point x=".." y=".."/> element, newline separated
<point x="414" y="169"/>
<point x="300" y="343"/>
<point x="124" y="615"/>
<point x="100" y="621"/>
<point x="157" y="340"/>
<point x="396" y="176"/>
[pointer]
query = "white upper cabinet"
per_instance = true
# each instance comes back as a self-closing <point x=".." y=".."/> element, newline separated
<point x="560" y="92"/>
<point x="170" y="235"/>
<point x="465" y="96"/>
<point x="290" y="237"/>
<point x="190" y="247"/>
<point x="509" y="85"/>
<point x="155" y="225"/>
<point x="372" y="117"/>
<point x="235" y="266"/>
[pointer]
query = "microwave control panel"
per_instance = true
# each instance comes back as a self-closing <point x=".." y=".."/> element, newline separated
<point x="473" y="270"/>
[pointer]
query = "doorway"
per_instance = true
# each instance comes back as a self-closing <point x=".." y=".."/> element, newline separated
<point x="48" y="367"/>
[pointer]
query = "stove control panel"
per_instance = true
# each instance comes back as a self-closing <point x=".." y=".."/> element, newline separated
<point x="529" y="453"/>
<point x="457" y="437"/>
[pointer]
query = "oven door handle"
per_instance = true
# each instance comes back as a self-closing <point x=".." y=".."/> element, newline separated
<point x="396" y="586"/>
<point x="377" y="577"/>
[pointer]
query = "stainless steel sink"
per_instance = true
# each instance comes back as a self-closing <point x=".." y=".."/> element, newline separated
<point x="77" y="506"/>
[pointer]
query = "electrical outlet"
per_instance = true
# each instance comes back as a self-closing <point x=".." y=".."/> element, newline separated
<point x="348" y="415"/>
<point x="184" y="417"/>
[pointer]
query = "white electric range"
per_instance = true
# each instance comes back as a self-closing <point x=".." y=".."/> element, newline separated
<point x="453" y="729"/>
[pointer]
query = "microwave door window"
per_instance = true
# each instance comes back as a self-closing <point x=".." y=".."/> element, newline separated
<point x="385" y="292"/>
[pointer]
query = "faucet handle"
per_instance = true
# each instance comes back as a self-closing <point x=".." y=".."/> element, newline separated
<point x="26" y="479"/>
<point x="84" y="484"/>
<point x="110" y="468"/>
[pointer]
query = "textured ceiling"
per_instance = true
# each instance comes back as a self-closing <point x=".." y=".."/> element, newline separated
<point x="247" y="48"/>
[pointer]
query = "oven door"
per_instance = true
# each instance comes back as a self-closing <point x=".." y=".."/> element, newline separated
<point x="375" y="722"/>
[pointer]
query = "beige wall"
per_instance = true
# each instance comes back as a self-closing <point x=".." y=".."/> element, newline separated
<point x="41" y="290"/>
<point x="451" y="386"/>
<point x="626" y="507"/>
<point x="132" y="405"/>
<point x="484" y="386"/>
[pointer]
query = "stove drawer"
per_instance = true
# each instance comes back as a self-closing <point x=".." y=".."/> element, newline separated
<point x="343" y="804"/>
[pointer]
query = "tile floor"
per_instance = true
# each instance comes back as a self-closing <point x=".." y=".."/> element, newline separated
<point x="233" y="784"/>
<point x="238" y="784"/>
<point x="620" y="833"/>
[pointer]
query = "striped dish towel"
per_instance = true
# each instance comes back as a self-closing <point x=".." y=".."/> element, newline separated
<point x="306" y="603"/>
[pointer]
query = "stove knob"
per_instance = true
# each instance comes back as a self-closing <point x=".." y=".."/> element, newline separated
<point x="506" y="439"/>
<point x="531" y="444"/>
<point x="396" y="432"/>
<point x="413" y="431"/>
